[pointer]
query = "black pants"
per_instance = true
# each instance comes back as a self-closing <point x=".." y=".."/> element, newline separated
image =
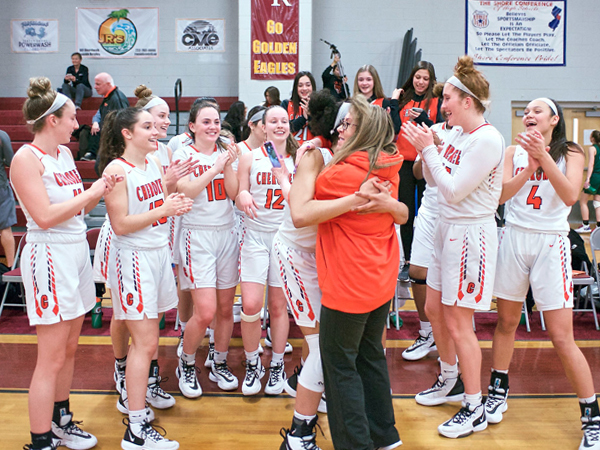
<point x="357" y="383"/>
<point x="406" y="194"/>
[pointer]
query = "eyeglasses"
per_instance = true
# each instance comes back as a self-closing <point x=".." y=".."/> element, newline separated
<point x="344" y="124"/>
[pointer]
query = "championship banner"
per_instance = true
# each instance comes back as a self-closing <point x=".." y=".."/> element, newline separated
<point x="275" y="39"/>
<point x="34" y="36"/>
<point x="117" y="33"/>
<point x="516" y="33"/>
<point x="200" y="35"/>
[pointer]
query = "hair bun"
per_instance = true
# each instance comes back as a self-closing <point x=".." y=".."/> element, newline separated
<point x="438" y="89"/>
<point x="464" y="66"/>
<point x="39" y="87"/>
<point x="142" y="91"/>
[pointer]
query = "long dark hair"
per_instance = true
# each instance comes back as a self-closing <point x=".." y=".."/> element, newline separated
<point x="273" y="95"/>
<point x="291" y="144"/>
<point x="234" y="120"/>
<point x="112" y="142"/>
<point x="198" y="106"/>
<point x="323" y="110"/>
<point x="409" y="88"/>
<point x="295" y="95"/>
<point x="559" y="145"/>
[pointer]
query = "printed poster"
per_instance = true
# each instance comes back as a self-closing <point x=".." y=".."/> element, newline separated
<point x="200" y="35"/>
<point x="34" y="36"/>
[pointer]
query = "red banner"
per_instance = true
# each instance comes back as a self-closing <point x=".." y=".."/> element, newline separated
<point x="275" y="39"/>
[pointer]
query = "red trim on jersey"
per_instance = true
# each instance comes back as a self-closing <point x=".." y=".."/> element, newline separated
<point x="264" y="151"/>
<point x="482" y="125"/>
<point x="138" y="282"/>
<point x="125" y="161"/>
<point x="42" y="151"/>
<point x="52" y="280"/>
<point x="482" y="259"/>
<point x="463" y="268"/>
<point x="246" y="144"/>
<point x="198" y="151"/>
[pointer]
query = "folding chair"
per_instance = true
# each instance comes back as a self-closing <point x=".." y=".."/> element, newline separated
<point x="400" y="296"/>
<point x="14" y="276"/>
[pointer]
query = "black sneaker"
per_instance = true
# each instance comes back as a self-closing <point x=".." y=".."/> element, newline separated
<point x="403" y="275"/>
<point x="495" y="403"/>
<point x="591" y="433"/>
<point x="302" y="435"/>
<point x="146" y="437"/>
<point x="68" y="433"/>
<point x="291" y="384"/>
<point x="442" y="391"/>
<point x="52" y="446"/>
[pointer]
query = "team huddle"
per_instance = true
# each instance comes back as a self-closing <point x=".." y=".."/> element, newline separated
<point x="307" y="208"/>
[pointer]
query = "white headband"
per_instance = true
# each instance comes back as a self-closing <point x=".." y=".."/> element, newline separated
<point x="344" y="108"/>
<point x="154" y="102"/>
<point x="550" y="103"/>
<point x="454" y="81"/>
<point x="257" y="116"/>
<point x="58" y="103"/>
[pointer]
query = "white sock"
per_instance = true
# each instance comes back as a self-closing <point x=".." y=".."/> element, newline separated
<point x="277" y="358"/>
<point x="500" y="371"/>
<point x="449" y="370"/>
<point x="182" y="324"/>
<point x="425" y="326"/>
<point x="307" y="419"/>
<point x="252" y="356"/>
<point x="137" y="416"/>
<point x="211" y="335"/>
<point x="588" y="400"/>
<point x="188" y="359"/>
<point x="220" y="357"/>
<point x="473" y="400"/>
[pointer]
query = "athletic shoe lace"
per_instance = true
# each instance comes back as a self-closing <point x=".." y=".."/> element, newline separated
<point x="189" y="372"/>
<point x="251" y="372"/>
<point x="495" y="397"/>
<point x="439" y="384"/>
<point x="421" y="340"/>
<point x="463" y="415"/>
<point x="156" y="390"/>
<point x="73" y="428"/>
<point x="223" y="370"/>
<point x="276" y="374"/>
<point x="591" y="431"/>
<point x="308" y="442"/>
<point x="151" y="432"/>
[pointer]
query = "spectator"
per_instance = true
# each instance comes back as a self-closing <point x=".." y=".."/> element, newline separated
<point x="272" y="96"/>
<point x="333" y="81"/>
<point x="114" y="99"/>
<point x="8" y="214"/>
<point x="76" y="84"/>
<point x="234" y="120"/>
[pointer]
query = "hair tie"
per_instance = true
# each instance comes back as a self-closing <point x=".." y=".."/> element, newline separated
<point x="550" y="103"/>
<point x="58" y="103"/>
<point x="454" y="81"/>
<point x="156" y="101"/>
<point x="257" y="116"/>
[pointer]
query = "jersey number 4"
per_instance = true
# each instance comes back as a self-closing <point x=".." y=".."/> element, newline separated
<point x="277" y="204"/>
<point x="534" y="200"/>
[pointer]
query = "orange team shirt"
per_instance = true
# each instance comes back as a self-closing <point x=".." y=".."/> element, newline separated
<point x="404" y="147"/>
<point x="378" y="102"/>
<point x="357" y="255"/>
<point x="303" y="134"/>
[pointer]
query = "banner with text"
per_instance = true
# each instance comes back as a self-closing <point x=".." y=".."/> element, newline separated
<point x="117" y="33"/>
<point x="34" y="36"/>
<point x="200" y="35"/>
<point x="275" y="38"/>
<point x="519" y="33"/>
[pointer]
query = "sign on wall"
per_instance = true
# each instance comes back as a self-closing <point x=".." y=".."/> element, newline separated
<point x="200" y="35"/>
<point x="275" y="39"/>
<point x="520" y="33"/>
<point x="117" y="33"/>
<point x="34" y="36"/>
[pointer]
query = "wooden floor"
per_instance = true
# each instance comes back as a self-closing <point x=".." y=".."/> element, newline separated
<point x="543" y="412"/>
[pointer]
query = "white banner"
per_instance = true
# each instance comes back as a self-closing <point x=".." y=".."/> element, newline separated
<point x="520" y="33"/>
<point x="200" y="35"/>
<point x="117" y="33"/>
<point x="34" y="36"/>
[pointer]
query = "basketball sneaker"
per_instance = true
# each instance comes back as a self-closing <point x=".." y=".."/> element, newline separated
<point x="465" y="422"/>
<point x="156" y="396"/>
<point x="188" y="379"/>
<point x="423" y="345"/>
<point x="391" y="446"/>
<point x="291" y="383"/>
<point x="210" y="357"/>
<point x="143" y="436"/>
<point x="68" y="433"/>
<point x="495" y="403"/>
<point x="301" y="436"/>
<point x="268" y="343"/>
<point x="590" y="420"/>
<point x="52" y="446"/>
<point x="221" y="374"/>
<point x="254" y="373"/>
<point x="584" y="229"/>
<point x="276" y="379"/>
<point x="119" y="377"/>
<point x="180" y="344"/>
<point x="442" y="391"/>
<point x="123" y="404"/>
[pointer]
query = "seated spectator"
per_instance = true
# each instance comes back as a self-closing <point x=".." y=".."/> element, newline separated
<point x="8" y="214"/>
<point x="76" y="84"/>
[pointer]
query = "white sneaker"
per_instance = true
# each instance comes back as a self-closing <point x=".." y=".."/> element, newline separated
<point x="180" y="345"/>
<point x="188" y="379"/>
<point x="156" y="396"/>
<point x="268" y="343"/>
<point x="423" y="345"/>
<point x="276" y="379"/>
<point x="584" y="229"/>
<point x="495" y="405"/>
<point x="70" y="435"/>
<point x="465" y="422"/>
<point x="210" y="357"/>
<point x="442" y="391"/>
<point x="145" y="437"/>
<point x="391" y="446"/>
<point x="123" y="404"/>
<point x="322" y="408"/>
<point x="591" y="433"/>
<point x="254" y="373"/>
<point x="119" y="377"/>
<point x="220" y="374"/>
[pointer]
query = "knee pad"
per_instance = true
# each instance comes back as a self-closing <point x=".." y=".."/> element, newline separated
<point x="249" y="319"/>
<point x="596" y="204"/>
<point x="311" y="376"/>
<point x="418" y="281"/>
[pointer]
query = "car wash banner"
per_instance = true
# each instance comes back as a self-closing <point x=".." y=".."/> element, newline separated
<point x="34" y="36"/>
<point x="275" y="39"/>
<point x="200" y="35"/>
<point x="516" y="33"/>
<point x="117" y="32"/>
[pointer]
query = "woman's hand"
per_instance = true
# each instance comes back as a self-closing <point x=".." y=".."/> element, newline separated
<point x="306" y="145"/>
<point x="247" y="204"/>
<point x="534" y="144"/>
<point x="304" y="104"/>
<point x="397" y="93"/>
<point x="419" y="136"/>
<point x="281" y="173"/>
<point x="232" y="151"/>
<point x="221" y="161"/>
<point x="177" y="205"/>
<point x="179" y="169"/>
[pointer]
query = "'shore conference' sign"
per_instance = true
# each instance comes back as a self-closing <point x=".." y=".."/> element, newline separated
<point x="274" y="39"/>
<point x="522" y="33"/>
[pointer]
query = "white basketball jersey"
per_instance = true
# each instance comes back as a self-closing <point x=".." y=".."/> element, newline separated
<point x="181" y="140"/>
<point x="462" y="153"/>
<point x="62" y="182"/>
<point x="211" y="207"/>
<point x="162" y="153"/>
<point x="305" y="238"/>
<point x="266" y="192"/>
<point x="537" y="206"/>
<point x="144" y="192"/>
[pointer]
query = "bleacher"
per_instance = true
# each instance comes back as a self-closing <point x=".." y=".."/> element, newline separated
<point x="13" y="123"/>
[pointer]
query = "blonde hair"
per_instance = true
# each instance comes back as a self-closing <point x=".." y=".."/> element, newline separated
<point x="473" y="79"/>
<point x="144" y="95"/>
<point x="377" y="87"/>
<point x="40" y="97"/>
<point x="374" y="134"/>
